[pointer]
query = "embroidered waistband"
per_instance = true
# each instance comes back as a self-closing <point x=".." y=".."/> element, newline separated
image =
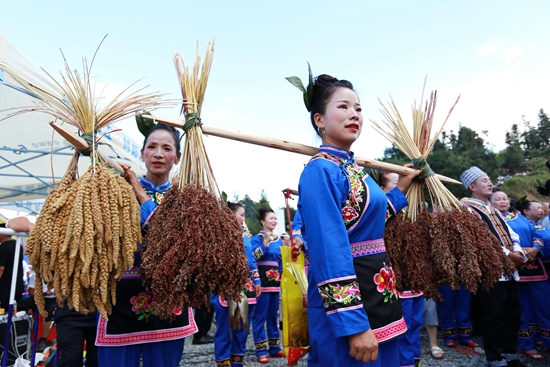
<point x="367" y="248"/>
<point x="131" y="273"/>
<point x="267" y="263"/>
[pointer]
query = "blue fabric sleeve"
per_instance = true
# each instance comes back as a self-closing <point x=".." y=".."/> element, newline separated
<point x="252" y="267"/>
<point x="258" y="247"/>
<point x="147" y="208"/>
<point x="396" y="201"/>
<point x="541" y="239"/>
<point x="323" y="188"/>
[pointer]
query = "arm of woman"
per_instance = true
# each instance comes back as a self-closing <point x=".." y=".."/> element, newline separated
<point x="323" y="188"/>
<point x="258" y="246"/>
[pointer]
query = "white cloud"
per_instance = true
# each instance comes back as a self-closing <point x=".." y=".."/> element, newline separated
<point x="490" y="48"/>
<point x="235" y="98"/>
<point x="511" y="53"/>
<point x="221" y="113"/>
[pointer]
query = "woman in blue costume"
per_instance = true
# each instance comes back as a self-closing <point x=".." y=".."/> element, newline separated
<point x="412" y="303"/>
<point x="534" y="290"/>
<point x="133" y="332"/>
<point x="266" y="247"/>
<point x="353" y="310"/>
<point x="230" y="344"/>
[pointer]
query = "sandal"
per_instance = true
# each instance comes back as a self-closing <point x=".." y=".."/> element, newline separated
<point x="279" y="354"/>
<point x="533" y="354"/>
<point x="263" y="359"/>
<point x="437" y="353"/>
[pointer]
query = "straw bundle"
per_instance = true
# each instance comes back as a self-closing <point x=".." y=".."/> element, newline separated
<point x="193" y="245"/>
<point x="447" y="245"/>
<point x="417" y="147"/>
<point x="89" y="227"/>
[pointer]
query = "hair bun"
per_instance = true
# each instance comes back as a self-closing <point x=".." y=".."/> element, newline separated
<point x="544" y="191"/>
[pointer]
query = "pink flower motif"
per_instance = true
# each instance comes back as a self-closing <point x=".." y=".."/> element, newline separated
<point x="382" y="280"/>
<point x="273" y="274"/>
<point x="349" y="214"/>
<point x="140" y="301"/>
<point x="176" y="311"/>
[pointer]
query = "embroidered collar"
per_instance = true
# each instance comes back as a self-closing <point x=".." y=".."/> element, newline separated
<point x="480" y="204"/>
<point x="151" y="188"/>
<point x="338" y="152"/>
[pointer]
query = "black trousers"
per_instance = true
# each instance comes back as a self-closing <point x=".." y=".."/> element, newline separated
<point x="203" y="317"/>
<point x="501" y="319"/>
<point x="72" y="329"/>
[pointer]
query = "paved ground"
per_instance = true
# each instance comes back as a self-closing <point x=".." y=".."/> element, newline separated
<point x="203" y="356"/>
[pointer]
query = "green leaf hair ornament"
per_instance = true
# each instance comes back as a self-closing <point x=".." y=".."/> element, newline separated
<point x="308" y="92"/>
<point x="143" y="124"/>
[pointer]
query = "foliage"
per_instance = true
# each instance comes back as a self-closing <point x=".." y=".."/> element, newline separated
<point x="252" y="217"/>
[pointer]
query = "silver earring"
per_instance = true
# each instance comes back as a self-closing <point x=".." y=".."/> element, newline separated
<point x="142" y="168"/>
<point x="322" y="131"/>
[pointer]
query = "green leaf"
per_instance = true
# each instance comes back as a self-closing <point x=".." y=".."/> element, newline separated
<point x="141" y="317"/>
<point x="143" y="124"/>
<point x="297" y="82"/>
<point x="310" y="87"/>
<point x="523" y="199"/>
<point x="224" y="196"/>
<point x="540" y="183"/>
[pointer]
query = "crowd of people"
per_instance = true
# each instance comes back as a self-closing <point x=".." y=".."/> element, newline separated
<point x="356" y="317"/>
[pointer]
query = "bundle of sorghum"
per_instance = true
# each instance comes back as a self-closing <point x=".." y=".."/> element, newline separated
<point x="409" y="247"/>
<point x="196" y="250"/>
<point x="84" y="238"/>
<point x="88" y="229"/>
<point x="444" y="248"/>
<point x="193" y="245"/>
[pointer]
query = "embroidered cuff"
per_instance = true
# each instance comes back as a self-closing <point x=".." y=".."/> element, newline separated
<point x="258" y="253"/>
<point x="340" y="294"/>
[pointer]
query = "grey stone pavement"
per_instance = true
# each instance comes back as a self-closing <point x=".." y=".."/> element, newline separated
<point x="203" y="355"/>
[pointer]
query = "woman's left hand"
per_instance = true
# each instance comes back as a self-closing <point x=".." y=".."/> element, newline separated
<point x="405" y="181"/>
<point x="258" y="290"/>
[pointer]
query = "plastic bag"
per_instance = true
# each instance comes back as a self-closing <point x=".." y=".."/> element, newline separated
<point x="21" y="362"/>
<point x="294" y="311"/>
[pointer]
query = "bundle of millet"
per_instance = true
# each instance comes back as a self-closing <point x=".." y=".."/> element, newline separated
<point x="85" y="238"/>
<point x="88" y="228"/>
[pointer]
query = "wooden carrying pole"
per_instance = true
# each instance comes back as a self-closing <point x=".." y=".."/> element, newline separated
<point x="290" y="146"/>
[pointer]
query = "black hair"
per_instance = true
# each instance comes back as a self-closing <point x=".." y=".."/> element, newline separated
<point x="521" y="207"/>
<point x="383" y="178"/>
<point x="263" y="212"/>
<point x="172" y="130"/>
<point x="544" y="191"/>
<point x="234" y="206"/>
<point x="324" y="87"/>
<point x="3" y="225"/>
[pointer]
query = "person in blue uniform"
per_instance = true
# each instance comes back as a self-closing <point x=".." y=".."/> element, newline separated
<point x="230" y="344"/>
<point x="266" y="247"/>
<point x="134" y="332"/>
<point x="412" y="303"/>
<point x="354" y="314"/>
<point x="534" y="290"/>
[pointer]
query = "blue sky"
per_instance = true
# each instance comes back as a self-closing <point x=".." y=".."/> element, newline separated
<point x="496" y="54"/>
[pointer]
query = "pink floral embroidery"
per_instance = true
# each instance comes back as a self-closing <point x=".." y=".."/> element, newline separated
<point x="349" y="213"/>
<point x="385" y="283"/>
<point x="142" y="307"/>
<point x="343" y="294"/>
<point x="273" y="275"/>
<point x="140" y="301"/>
<point x="249" y="286"/>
